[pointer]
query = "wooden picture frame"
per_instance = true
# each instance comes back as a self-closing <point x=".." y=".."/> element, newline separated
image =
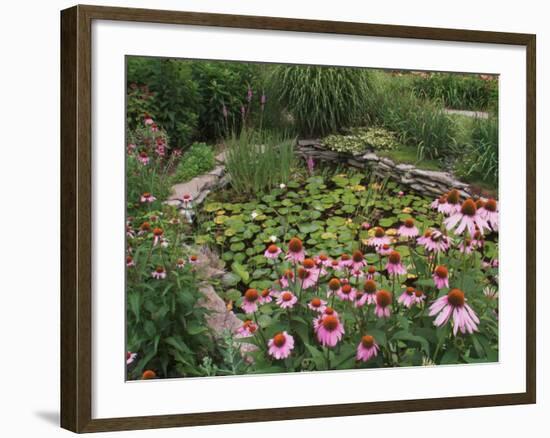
<point x="76" y="199"/>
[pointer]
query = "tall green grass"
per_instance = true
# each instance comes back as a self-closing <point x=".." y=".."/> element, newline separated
<point x="320" y="100"/>
<point x="480" y="152"/>
<point x="422" y="123"/>
<point x="257" y="162"/>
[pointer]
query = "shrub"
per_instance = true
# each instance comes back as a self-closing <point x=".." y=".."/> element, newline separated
<point x="480" y="155"/>
<point x="321" y="100"/>
<point x="139" y="104"/>
<point x="198" y="159"/>
<point x="458" y="91"/>
<point x="416" y="122"/>
<point x="257" y="161"/>
<point x="360" y="139"/>
<point x="223" y="84"/>
<point x="176" y="102"/>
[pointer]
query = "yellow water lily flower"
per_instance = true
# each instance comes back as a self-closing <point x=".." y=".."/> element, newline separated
<point x="359" y="188"/>
<point x="391" y="232"/>
<point x="407" y="210"/>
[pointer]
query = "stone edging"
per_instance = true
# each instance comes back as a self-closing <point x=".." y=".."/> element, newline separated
<point x="426" y="182"/>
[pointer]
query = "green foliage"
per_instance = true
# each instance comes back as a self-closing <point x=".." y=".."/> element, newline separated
<point x="408" y="155"/>
<point x="257" y="162"/>
<point x="223" y="84"/>
<point x="459" y="91"/>
<point x="321" y="100"/>
<point x="416" y="121"/>
<point x="326" y="213"/>
<point x="176" y="102"/>
<point x="198" y="159"/>
<point x="361" y="139"/>
<point x="140" y="102"/>
<point x="165" y="325"/>
<point x="480" y="154"/>
<point x="152" y="177"/>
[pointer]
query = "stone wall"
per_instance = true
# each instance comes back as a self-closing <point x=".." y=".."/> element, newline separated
<point x="427" y="182"/>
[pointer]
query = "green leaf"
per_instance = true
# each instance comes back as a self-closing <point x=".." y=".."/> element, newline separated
<point x="241" y="271"/>
<point x="404" y="335"/>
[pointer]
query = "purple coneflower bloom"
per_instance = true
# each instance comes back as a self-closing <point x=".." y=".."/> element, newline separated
<point x="286" y="300"/>
<point x="379" y="238"/>
<point x="281" y="345"/>
<point x="383" y="301"/>
<point x="394" y="265"/>
<point x="467" y="218"/>
<point x="317" y="304"/>
<point x="329" y="330"/>
<point x="441" y="277"/>
<point x="408" y="229"/>
<point x="295" y="252"/>
<point x="272" y="252"/>
<point x="250" y="301"/>
<point x="454" y="305"/>
<point x="407" y="297"/>
<point x="159" y="273"/>
<point x="367" y="348"/>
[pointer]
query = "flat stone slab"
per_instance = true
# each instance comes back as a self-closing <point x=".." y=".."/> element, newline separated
<point x="474" y="114"/>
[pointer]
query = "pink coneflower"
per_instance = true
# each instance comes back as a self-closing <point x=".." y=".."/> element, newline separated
<point x="187" y="199"/>
<point x="346" y="292"/>
<point x="295" y="250"/>
<point x="441" y="277"/>
<point x="335" y="264"/>
<point x="370" y="288"/>
<point x="317" y="304"/>
<point x="383" y="302"/>
<point x="131" y="148"/>
<point x="379" y="238"/>
<point x="265" y="296"/>
<point x="467" y="219"/>
<point x="180" y="263"/>
<point x="263" y="100"/>
<point x="286" y="300"/>
<point x="453" y="202"/>
<point x="309" y="264"/>
<point x="454" y="304"/>
<point x="489" y="212"/>
<point x="143" y="158"/>
<point x="144" y="228"/>
<point x="371" y="272"/>
<point x="345" y="261"/>
<point x="157" y="235"/>
<point x="272" y="252"/>
<point x="281" y="345"/>
<point x="440" y="204"/>
<point x="287" y="277"/>
<point x="400" y="193"/>
<point x="394" y="265"/>
<point x="130" y="261"/>
<point x="358" y="260"/>
<point x="407" y="297"/>
<point x="248" y="329"/>
<point x="384" y="250"/>
<point x="334" y="286"/>
<point x="130" y="357"/>
<point x="478" y="240"/>
<point x="154" y="127"/>
<point x="250" y="301"/>
<point x="419" y="296"/>
<point x="159" y="273"/>
<point x="147" y="120"/>
<point x="360" y="299"/>
<point x="193" y="259"/>
<point x="329" y="330"/>
<point x="307" y="278"/>
<point x="367" y="348"/>
<point x="408" y="229"/>
<point x="323" y="259"/>
<point x="466" y="246"/>
<point x="435" y="241"/>
<point x="147" y="197"/>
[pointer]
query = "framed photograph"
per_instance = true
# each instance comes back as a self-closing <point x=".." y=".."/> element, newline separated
<point x="268" y="218"/>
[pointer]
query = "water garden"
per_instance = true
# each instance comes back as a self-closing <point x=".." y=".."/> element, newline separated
<point x="306" y="218"/>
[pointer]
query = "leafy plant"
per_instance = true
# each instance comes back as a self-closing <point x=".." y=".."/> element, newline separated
<point x="198" y="159"/>
<point x="361" y="139"/>
<point x="321" y="100"/>
<point x="257" y="162"/>
<point x="176" y="102"/>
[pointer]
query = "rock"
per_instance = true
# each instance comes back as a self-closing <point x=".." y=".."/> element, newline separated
<point x="370" y="156"/>
<point x="221" y="157"/>
<point x="309" y="142"/>
<point x="217" y="171"/>
<point x="404" y="167"/>
<point x="387" y="162"/>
